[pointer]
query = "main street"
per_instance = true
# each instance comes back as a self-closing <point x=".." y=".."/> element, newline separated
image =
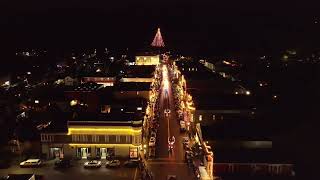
<point x="169" y="163"/>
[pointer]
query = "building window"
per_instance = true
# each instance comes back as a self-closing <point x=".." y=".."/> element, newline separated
<point x="117" y="139"/>
<point x="76" y="138"/>
<point x="200" y="117"/>
<point x="95" y="138"/>
<point x="128" y="139"/>
<point x="51" y="138"/>
<point x="47" y="138"/>
<point x="135" y="139"/>
<point x="106" y="138"/>
<point x="83" y="138"/>
<point x="43" y="137"/>
<point x="214" y="117"/>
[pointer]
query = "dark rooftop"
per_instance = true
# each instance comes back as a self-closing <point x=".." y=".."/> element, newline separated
<point x="118" y="116"/>
<point x="209" y="101"/>
<point x="58" y="121"/>
<point x="128" y="105"/>
<point x="133" y="86"/>
<point x="240" y="129"/>
<point x="140" y="71"/>
<point x="89" y="86"/>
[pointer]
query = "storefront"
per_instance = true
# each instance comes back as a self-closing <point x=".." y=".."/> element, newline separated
<point x="105" y="153"/>
<point x="56" y="152"/>
<point x="133" y="152"/>
<point x="83" y="152"/>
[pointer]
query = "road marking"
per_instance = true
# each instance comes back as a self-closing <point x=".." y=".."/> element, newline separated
<point x="135" y="174"/>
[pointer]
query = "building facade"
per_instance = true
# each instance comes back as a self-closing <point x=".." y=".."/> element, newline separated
<point x="86" y="139"/>
<point x="147" y="60"/>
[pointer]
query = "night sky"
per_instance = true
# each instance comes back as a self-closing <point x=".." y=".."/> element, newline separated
<point x="205" y="28"/>
<point x="202" y="28"/>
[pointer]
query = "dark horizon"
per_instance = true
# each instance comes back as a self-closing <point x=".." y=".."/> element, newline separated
<point x="204" y="28"/>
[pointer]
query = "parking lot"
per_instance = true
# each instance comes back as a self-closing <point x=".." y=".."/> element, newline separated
<point x="77" y="171"/>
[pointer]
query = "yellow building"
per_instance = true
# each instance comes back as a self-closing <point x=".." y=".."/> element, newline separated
<point x="148" y="60"/>
<point x="114" y="135"/>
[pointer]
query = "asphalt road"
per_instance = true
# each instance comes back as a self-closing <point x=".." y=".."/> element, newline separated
<point x="167" y="163"/>
<point x="77" y="172"/>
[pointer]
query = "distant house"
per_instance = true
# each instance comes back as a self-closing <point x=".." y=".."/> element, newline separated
<point x="105" y="81"/>
<point x="69" y="81"/>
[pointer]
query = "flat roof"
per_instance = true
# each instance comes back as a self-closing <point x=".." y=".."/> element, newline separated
<point x="89" y="86"/>
<point x="235" y="130"/>
<point x="132" y="103"/>
<point x="141" y="71"/>
<point x="133" y="86"/>
<point x="211" y="101"/>
<point x="58" y="123"/>
<point x="105" y="117"/>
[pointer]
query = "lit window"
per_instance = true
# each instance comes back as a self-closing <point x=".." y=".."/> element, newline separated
<point x="139" y="108"/>
<point x="106" y="138"/>
<point x="128" y="139"/>
<point x="200" y="117"/>
<point x="73" y="102"/>
<point x="214" y="117"/>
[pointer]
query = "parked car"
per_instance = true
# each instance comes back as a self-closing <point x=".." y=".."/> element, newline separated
<point x="182" y="126"/>
<point x="152" y="141"/>
<point x="188" y="155"/>
<point x="62" y="163"/>
<point x="92" y="164"/>
<point x="153" y="134"/>
<point x="113" y="163"/>
<point x="185" y="141"/>
<point x="166" y="112"/>
<point x="131" y="163"/>
<point x="152" y="152"/>
<point x="31" y="163"/>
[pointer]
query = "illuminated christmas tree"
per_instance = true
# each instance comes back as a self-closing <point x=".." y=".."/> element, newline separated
<point x="158" y="41"/>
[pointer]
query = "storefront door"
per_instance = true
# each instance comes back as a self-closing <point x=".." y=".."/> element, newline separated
<point x="103" y="153"/>
<point x="111" y="152"/>
<point x="84" y="153"/>
<point x="56" y="152"/>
